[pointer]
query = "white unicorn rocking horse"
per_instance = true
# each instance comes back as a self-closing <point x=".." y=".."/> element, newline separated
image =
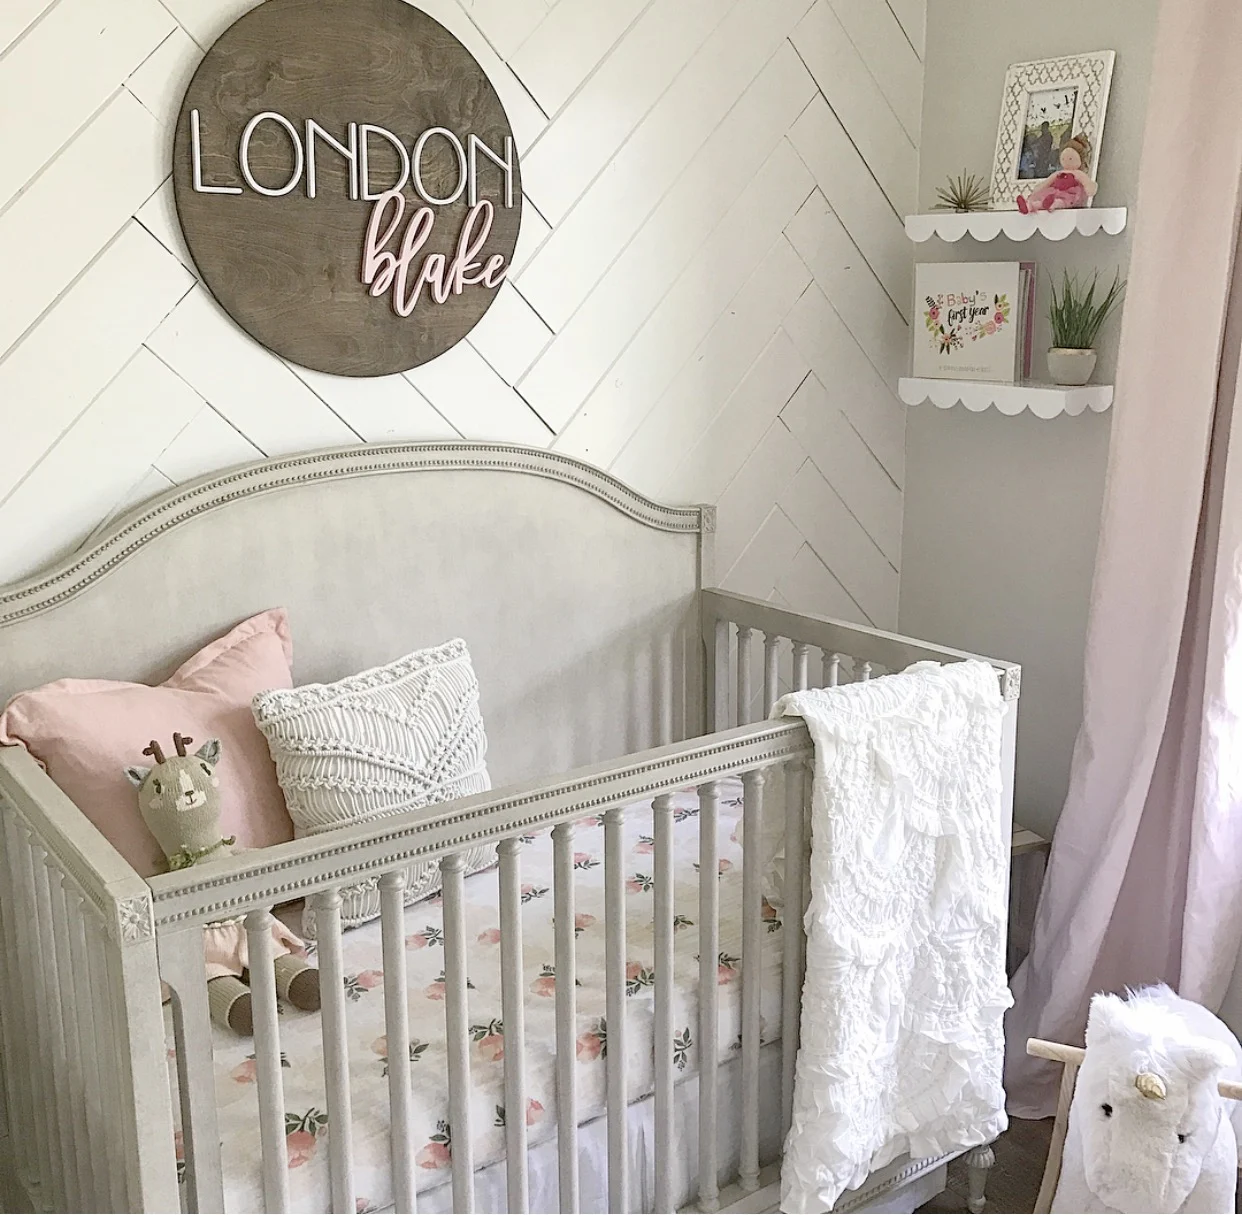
<point x="1149" y="1117"/>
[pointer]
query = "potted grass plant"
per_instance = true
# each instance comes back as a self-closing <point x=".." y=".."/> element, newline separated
<point x="1077" y="314"/>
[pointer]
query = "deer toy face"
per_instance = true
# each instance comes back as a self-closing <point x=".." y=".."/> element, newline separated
<point x="179" y="803"/>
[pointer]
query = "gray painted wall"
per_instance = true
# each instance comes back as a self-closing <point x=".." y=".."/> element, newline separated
<point x="1002" y="514"/>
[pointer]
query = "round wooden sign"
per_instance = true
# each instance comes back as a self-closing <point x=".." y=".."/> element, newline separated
<point x="347" y="183"/>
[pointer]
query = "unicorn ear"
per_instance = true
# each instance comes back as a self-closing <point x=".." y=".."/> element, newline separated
<point x="137" y="776"/>
<point x="209" y="752"/>
<point x="1107" y="1017"/>
<point x="1203" y="1057"/>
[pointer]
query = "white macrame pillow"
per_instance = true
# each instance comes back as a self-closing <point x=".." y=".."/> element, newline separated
<point x="391" y="739"/>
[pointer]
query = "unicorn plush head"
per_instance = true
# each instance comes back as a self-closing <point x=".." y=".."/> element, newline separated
<point x="1150" y="1122"/>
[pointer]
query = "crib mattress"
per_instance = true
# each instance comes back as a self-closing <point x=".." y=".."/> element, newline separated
<point x="302" y="1055"/>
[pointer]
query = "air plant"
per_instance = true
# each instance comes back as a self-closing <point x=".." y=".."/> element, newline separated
<point x="1076" y="315"/>
<point x="963" y="193"/>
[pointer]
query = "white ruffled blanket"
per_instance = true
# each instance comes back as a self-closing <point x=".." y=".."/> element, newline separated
<point x="902" y="1043"/>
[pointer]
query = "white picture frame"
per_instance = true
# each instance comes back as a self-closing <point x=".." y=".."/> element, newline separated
<point x="1045" y="102"/>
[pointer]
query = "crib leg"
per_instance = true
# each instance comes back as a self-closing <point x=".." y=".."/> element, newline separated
<point x="978" y="1161"/>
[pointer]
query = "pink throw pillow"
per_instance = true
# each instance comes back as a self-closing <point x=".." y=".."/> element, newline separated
<point x="85" y="732"/>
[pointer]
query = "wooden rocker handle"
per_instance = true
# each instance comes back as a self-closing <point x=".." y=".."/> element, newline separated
<point x="1058" y="1052"/>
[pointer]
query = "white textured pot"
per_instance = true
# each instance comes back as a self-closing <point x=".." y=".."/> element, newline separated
<point x="1070" y="366"/>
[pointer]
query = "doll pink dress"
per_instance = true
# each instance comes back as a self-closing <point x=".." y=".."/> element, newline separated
<point x="1064" y="190"/>
<point x="226" y="952"/>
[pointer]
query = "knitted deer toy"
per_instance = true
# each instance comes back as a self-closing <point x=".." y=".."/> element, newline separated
<point x="178" y="800"/>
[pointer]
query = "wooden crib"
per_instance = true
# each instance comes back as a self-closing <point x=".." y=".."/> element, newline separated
<point x="604" y="658"/>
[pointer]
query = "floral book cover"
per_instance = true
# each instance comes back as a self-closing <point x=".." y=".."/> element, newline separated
<point x="973" y="320"/>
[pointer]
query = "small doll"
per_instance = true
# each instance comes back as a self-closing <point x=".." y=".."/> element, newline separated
<point x="178" y="801"/>
<point x="1070" y="186"/>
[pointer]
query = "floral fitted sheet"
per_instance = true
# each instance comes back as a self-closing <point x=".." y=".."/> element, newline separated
<point x="306" y="1121"/>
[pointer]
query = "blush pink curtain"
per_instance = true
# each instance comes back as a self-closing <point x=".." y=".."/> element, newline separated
<point x="1145" y="878"/>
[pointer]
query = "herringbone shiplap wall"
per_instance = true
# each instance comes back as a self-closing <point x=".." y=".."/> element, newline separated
<point x="708" y="296"/>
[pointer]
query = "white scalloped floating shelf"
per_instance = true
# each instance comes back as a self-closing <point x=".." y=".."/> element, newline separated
<point x="1043" y="400"/>
<point x="988" y="225"/>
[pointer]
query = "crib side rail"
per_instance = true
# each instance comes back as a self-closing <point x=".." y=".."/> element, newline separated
<point x="744" y="681"/>
<point x="80" y="1020"/>
<point x="316" y="868"/>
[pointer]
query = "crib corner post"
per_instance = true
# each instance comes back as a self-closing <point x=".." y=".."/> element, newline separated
<point x="145" y="1105"/>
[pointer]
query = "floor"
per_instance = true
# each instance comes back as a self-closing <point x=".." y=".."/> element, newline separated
<point x="1013" y="1182"/>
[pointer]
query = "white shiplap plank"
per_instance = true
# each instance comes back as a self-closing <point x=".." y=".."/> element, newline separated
<point x="110" y="448"/>
<point x="506" y="24"/>
<point x="66" y="360"/>
<point x="476" y="401"/>
<point x="383" y="409"/>
<point x="853" y="195"/>
<point x="748" y="498"/>
<point x="706" y="143"/>
<point x="913" y="17"/>
<point x="583" y="139"/>
<point x="765" y="558"/>
<point x="820" y="515"/>
<point x="569" y="45"/>
<point x="533" y="232"/>
<point x="633" y="285"/>
<point x="682" y="319"/>
<point x="206" y="20"/>
<point x="886" y="51"/>
<point x="847" y="464"/>
<point x="161" y="80"/>
<point x="704" y="384"/>
<point x="857" y="101"/>
<point x="852" y="383"/>
<point x="251" y="387"/>
<point x="853" y="290"/>
<point x="17" y="16"/>
<point x="41" y="107"/>
<point x="525" y="117"/>
<point x="510" y="335"/>
<point x="709" y="465"/>
<point x="151" y="483"/>
<point x="84" y="198"/>
<point x="159" y="216"/>
<point x="208" y="444"/>
<point x="808" y="585"/>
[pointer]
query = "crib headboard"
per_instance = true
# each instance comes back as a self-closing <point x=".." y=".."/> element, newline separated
<point x="576" y="595"/>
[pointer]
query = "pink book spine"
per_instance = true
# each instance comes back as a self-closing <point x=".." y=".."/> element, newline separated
<point x="1028" y="328"/>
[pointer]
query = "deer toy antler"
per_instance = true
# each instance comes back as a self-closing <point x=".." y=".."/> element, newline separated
<point x="156" y="752"/>
<point x="181" y="741"/>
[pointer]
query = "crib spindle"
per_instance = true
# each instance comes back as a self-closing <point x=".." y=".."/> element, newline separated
<point x="327" y="907"/>
<point x="262" y="949"/>
<point x="771" y="672"/>
<point x="182" y="967"/>
<point x="512" y="1007"/>
<point x="801" y="666"/>
<point x="566" y="1014"/>
<point x="397" y="1029"/>
<point x="457" y="1023"/>
<point x="665" y="1151"/>
<point x="752" y="973"/>
<point x="864" y="672"/>
<point x="832" y="670"/>
<point x="793" y="942"/>
<point x="49" y="1003"/>
<point x="745" y="637"/>
<point x="614" y="1010"/>
<point x="709" y="994"/>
